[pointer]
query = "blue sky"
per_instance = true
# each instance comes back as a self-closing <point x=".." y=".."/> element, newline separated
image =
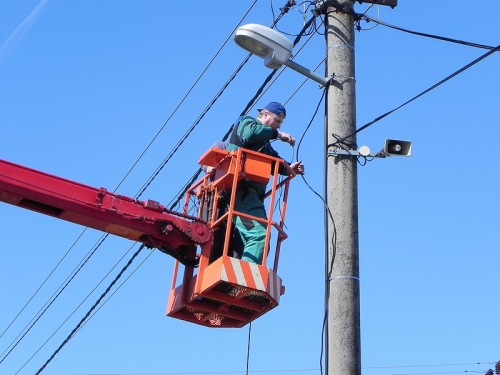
<point x="86" y="87"/>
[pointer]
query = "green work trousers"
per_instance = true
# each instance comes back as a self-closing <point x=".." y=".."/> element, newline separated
<point x="253" y="233"/>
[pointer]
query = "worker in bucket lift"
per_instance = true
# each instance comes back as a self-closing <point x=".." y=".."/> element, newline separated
<point x="256" y="133"/>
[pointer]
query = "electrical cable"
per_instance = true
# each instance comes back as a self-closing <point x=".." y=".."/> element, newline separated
<point x="187" y="94"/>
<point x="76" y="308"/>
<point x="328" y="271"/>
<point x="181" y="193"/>
<point x="247" y="108"/>
<point x="451" y="40"/>
<point x="117" y="288"/>
<point x="314" y="370"/>
<point x="309" y="124"/>
<point x="289" y="5"/>
<point x="51" y="301"/>
<point x="358" y="17"/>
<point x="461" y="70"/>
<point x="309" y="4"/>
<point x="307" y="184"/>
<point x="42" y="284"/>
<point x="81" y="303"/>
<point x="357" y="22"/>
<point x="327" y="210"/>
<point x="248" y="346"/>
<point x="72" y="333"/>
<point x="190" y="129"/>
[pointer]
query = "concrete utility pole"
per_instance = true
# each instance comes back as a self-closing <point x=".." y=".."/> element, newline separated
<point x="342" y="264"/>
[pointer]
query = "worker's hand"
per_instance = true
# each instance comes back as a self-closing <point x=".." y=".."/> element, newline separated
<point x="298" y="167"/>
<point x="286" y="138"/>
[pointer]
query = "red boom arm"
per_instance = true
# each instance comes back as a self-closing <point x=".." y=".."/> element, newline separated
<point x="144" y="221"/>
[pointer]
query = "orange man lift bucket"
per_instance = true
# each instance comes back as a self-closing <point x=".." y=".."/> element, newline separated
<point x="225" y="291"/>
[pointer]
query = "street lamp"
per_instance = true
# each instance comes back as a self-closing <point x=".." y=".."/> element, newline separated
<point x="273" y="47"/>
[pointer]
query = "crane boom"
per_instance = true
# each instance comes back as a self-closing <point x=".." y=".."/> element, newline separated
<point x="147" y="221"/>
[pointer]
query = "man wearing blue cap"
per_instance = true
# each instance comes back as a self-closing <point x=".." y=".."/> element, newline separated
<point x="256" y="133"/>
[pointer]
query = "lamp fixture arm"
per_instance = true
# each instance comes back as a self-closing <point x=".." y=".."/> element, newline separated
<point x="308" y="73"/>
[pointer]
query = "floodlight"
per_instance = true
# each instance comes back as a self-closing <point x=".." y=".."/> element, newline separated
<point x="397" y="147"/>
<point x="273" y="47"/>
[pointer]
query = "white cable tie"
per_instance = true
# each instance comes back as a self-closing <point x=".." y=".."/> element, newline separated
<point x="343" y="277"/>
<point x="346" y="77"/>
<point x="340" y="45"/>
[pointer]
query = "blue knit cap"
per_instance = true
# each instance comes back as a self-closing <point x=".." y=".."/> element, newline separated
<point x="276" y="108"/>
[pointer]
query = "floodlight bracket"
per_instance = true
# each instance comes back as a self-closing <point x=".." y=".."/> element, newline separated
<point x="392" y="147"/>
<point x="356" y="153"/>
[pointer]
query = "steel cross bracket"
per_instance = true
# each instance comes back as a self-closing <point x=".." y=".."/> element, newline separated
<point x="356" y="153"/>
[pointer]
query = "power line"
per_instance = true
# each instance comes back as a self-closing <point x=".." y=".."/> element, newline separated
<point x="191" y="128"/>
<point x="88" y="295"/>
<point x="187" y="94"/>
<point x="310" y="370"/>
<point x="51" y="301"/>
<point x="42" y="284"/>
<point x="341" y="140"/>
<point x="82" y="321"/>
<point x="446" y="39"/>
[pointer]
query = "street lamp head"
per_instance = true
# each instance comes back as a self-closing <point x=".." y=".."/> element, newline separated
<point x="273" y="47"/>
<point x="264" y="42"/>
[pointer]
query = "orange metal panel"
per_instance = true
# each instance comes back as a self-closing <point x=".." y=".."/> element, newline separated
<point x="213" y="156"/>
<point x="257" y="168"/>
